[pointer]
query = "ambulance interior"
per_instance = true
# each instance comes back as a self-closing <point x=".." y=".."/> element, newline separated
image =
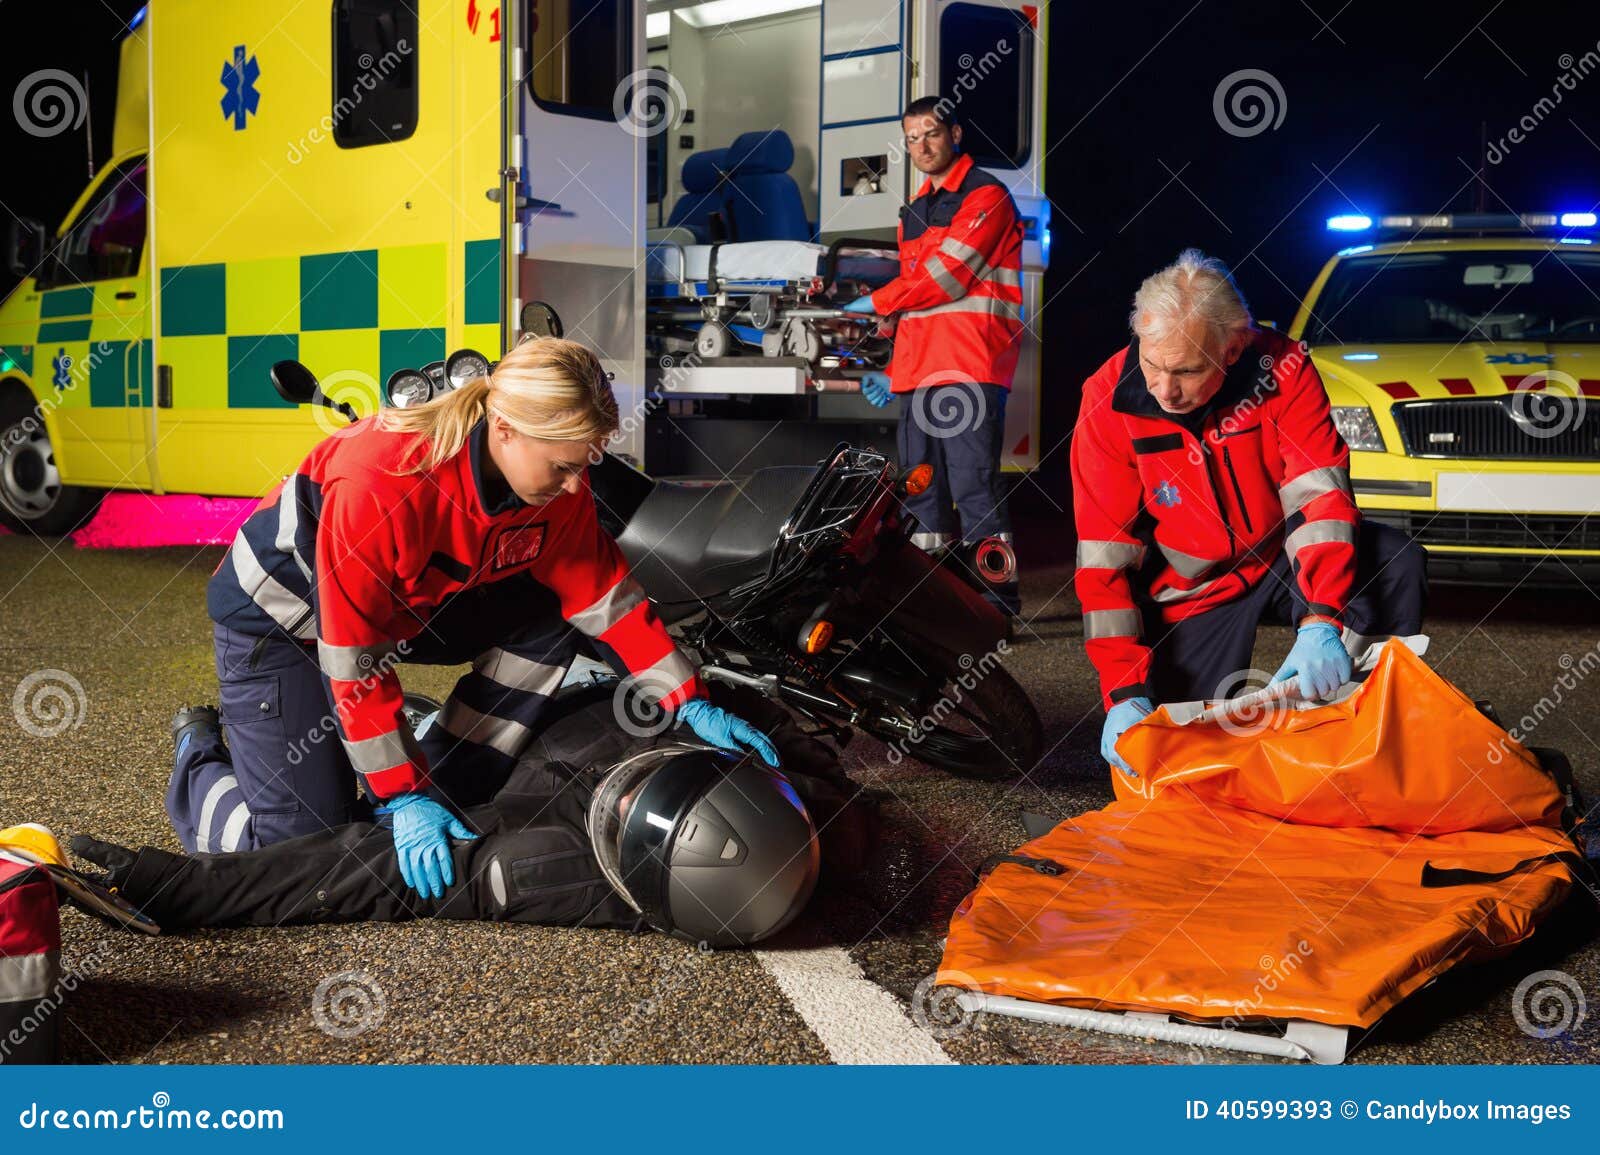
<point x="774" y="178"/>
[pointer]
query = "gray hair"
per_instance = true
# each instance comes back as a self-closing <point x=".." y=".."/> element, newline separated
<point x="1194" y="285"/>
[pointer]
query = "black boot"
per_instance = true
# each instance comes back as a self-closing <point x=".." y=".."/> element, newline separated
<point x="193" y="721"/>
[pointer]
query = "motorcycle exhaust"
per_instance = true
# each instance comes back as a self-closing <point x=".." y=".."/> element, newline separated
<point x="995" y="561"/>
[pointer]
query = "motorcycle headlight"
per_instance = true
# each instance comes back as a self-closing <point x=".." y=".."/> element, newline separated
<point x="1358" y="427"/>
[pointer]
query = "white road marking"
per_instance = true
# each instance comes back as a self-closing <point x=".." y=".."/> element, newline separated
<point x="857" y="1020"/>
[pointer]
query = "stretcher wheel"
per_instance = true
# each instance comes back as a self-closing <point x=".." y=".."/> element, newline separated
<point x="713" y="340"/>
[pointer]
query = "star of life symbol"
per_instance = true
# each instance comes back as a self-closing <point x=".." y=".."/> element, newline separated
<point x="1167" y="494"/>
<point x="239" y="78"/>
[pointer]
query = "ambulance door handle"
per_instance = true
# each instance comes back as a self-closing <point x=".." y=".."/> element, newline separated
<point x="164" y="386"/>
<point x="127" y="294"/>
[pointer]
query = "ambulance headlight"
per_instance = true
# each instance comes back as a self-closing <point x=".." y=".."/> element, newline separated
<point x="1358" y="427"/>
<point x="407" y="388"/>
<point x="465" y="365"/>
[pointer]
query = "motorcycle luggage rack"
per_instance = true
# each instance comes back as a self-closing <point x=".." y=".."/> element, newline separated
<point x="830" y="503"/>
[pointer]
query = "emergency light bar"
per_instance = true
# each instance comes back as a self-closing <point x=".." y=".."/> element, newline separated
<point x="1463" y="222"/>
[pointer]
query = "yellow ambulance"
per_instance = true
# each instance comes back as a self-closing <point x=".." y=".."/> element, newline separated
<point x="368" y="185"/>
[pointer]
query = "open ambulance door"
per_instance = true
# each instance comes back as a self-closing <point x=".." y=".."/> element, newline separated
<point x="987" y="57"/>
<point x="575" y="193"/>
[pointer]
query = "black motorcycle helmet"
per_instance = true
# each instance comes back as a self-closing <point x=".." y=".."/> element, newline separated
<point x="706" y="845"/>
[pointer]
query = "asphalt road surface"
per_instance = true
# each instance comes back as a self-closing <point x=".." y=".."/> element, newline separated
<point x="130" y="628"/>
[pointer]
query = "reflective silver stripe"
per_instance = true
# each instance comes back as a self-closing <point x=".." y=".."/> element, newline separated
<point x="1009" y="310"/>
<point x="1317" y="532"/>
<point x="385" y="752"/>
<point x="288" y="609"/>
<point x="1187" y="565"/>
<point x="932" y="541"/>
<point x="1109" y="554"/>
<point x="1110" y="624"/>
<point x="944" y="278"/>
<point x="502" y="734"/>
<point x="288" y="525"/>
<point x="353" y="663"/>
<point x="519" y="673"/>
<point x="208" y="810"/>
<point x="28" y="976"/>
<point x="1309" y="486"/>
<point x="615" y="605"/>
<point x="981" y="268"/>
<point x="1174" y="594"/>
<point x="234" y="829"/>
<point x="666" y="675"/>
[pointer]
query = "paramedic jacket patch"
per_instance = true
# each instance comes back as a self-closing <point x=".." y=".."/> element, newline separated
<point x="354" y="553"/>
<point x="958" y="299"/>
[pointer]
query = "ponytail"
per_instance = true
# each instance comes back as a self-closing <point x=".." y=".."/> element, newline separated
<point x="545" y="387"/>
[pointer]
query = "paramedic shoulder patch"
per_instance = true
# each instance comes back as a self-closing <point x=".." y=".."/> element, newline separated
<point x="518" y="545"/>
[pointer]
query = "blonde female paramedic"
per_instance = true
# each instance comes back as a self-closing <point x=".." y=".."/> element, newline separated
<point x="459" y="530"/>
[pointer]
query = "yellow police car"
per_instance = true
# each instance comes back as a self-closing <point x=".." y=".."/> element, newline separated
<point x="1461" y="355"/>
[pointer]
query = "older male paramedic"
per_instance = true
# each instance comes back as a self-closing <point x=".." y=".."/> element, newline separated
<point x="1212" y="492"/>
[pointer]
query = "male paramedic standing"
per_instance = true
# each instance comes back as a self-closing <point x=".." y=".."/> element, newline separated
<point x="1212" y="492"/>
<point x="956" y="308"/>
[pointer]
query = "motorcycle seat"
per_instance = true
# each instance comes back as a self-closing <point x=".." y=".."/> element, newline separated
<point x="687" y="542"/>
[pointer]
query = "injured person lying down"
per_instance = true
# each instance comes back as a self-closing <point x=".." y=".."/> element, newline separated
<point x="592" y="827"/>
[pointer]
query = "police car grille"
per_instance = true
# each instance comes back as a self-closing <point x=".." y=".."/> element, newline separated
<point x="1538" y="531"/>
<point x="1528" y="426"/>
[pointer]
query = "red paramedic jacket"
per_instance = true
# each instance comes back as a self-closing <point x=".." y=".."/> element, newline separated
<point x="1186" y="523"/>
<point x="959" y="293"/>
<point x="355" y="554"/>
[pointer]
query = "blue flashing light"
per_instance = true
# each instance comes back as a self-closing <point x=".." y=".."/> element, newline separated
<point x="138" y="18"/>
<point x="1360" y="356"/>
<point x="1578" y="220"/>
<point x="1576" y="241"/>
<point x="1349" y="223"/>
<point x="1353" y="250"/>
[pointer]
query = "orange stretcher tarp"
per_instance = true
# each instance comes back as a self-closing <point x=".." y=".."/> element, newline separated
<point x="1322" y="867"/>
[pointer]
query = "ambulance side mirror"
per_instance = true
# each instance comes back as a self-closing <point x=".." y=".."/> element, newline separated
<point x="295" y="383"/>
<point x="25" y="246"/>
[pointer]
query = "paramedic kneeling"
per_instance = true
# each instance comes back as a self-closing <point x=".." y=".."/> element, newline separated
<point x="1211" y="493"/>
<point x="956" y="308"/>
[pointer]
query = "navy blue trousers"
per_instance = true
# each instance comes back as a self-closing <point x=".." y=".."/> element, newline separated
<point x="1204" y="656"/>
<point x="959" y="430"/>
<point x="282" y="772"/>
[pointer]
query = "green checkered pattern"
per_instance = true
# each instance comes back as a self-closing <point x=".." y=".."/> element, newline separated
<point x="369" y="311"/>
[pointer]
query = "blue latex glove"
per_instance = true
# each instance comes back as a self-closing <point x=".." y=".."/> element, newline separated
<point x="861" y="305"/>
<point x="1320" y="659"/>
<point x="1118" y="719"/>
<point x="716" y="726"/>
<point x="875" y="388"/>
<point x="422" y="833"/>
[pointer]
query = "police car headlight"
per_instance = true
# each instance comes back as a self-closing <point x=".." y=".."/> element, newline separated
<point x="1358" y="427"/>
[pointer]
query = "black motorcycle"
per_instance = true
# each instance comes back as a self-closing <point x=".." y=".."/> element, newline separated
<point x="801" y="582"/>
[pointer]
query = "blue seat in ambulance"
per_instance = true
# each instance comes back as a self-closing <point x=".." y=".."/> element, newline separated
<point x="703" y="208"/>
<point x="766" y="201"/>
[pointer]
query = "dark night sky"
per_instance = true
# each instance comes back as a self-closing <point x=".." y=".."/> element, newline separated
<point x="1383" y="108"/>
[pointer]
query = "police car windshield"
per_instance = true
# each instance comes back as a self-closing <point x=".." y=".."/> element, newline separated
<point x="1451" y="297"/>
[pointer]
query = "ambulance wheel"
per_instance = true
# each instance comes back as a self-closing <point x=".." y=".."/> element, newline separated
<point x="32" y="498"/>
<point x="990" y="731"/>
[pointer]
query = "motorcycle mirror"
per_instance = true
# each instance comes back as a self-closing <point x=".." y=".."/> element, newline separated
<point x="295" y="383"/>
<point x="540" y="320"/>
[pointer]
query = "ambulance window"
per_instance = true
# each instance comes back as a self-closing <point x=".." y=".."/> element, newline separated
<point x="986" y="71"/>
<point x="374" y="71"/>
<point x="579" y="52"/>
<point x="107" y="240"/>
